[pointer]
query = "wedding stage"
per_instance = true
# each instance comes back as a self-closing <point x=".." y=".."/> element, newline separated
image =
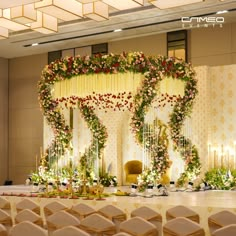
<point x="205" y="203"/>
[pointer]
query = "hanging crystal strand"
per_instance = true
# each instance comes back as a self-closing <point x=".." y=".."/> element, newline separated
<point x="143" y="166"/>
<point x="97" y="155"/>
<point x="149" y="143"/>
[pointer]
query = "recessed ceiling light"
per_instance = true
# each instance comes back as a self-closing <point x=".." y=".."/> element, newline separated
<point x="117" y="30"/>
<point x="222" y="12"/>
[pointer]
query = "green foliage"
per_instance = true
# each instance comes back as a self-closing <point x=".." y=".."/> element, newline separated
<point x="221" y="179"/>
<point x="108" y="180"/>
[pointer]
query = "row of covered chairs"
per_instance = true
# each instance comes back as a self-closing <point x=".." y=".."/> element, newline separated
<point x="28" y="210"/>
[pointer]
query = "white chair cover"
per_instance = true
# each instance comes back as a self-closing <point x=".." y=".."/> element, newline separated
<point x="137" y="226"/>
<point x="81" y="210"/>
<point x="28" y="215"/>
<point x="3" y="230"/>
<point x="28" y="204"/>
<point x="61" y="219"/>
<point x="27" y="228"/>
<point x="122" y="234"/>
<point x="5" y="219"/>
<point x="114" y="214"/>
<point x="229" y="230"/>
<point x="221" y="219"/>
<point x="182" y="226"/>
<point x="182" y="211"/>
<point x="5" y="205"/>
<point x="53" y="207"/>
<point x="96" y="224"/>
<point x="69" y="231"/>
<point x="149" y="215"/>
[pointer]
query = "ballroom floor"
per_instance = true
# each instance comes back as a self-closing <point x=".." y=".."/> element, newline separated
<point x="205" y="203"/>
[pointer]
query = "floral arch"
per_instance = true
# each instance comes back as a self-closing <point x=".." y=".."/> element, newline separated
<point x="153" y="69"/>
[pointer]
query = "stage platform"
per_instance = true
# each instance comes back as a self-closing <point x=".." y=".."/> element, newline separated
<point x="205" y="203"/>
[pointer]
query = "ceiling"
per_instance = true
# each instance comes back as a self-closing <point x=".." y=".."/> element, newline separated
<point x="141" y="21"/>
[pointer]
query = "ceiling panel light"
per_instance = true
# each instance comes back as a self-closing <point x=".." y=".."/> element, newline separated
<point x="23" y="14"/>
<point x="97" y="11"/>
<point x="3" y="33"/>
<point x="124" y="4"/>
<point x="13" y="3"/>
<point x="62" y="9"/>
<point x="87" y="1"/>
<point x="164" y="4"/>
<point x="45" y="24"/>
<point x="5" y="21"/>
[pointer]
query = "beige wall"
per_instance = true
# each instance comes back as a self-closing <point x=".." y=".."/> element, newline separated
<point x="25" y="117"/>
<point x="208" y="46"/>
<point x="3" y="119"/>
<point x="149" y="45"/>
<point x="213" y="46"/>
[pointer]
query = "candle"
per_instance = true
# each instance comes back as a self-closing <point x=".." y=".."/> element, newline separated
<point x="215" y="159"/>
<point x="49" y="157"/>
<point x="41" y="152"/>
<point x="234" y="162"/>
<point x="209" y="156"/>
<point x="228" y="159"/>
<point x="222" y="156"/>
<point x="36" y="167"/>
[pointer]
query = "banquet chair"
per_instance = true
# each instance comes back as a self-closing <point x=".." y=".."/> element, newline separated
<point x="27" y="204"/>
<point x="182" y="226"/>
<point x="61" y="219"/>
<point x="98" y="225"/>
<point x="54" y="207"/>
<point x="182" y="211"/>
<point x="149" y="215"/>
<point x="69" y="231"/>
<point x="132" y="170"/>
<point x="229" y="230"/>
<point x="27" y="228"/>
<point x="137" y="226"/>
<point x="122" y="234"/>
<point x="5" y="219"/>
<point x="3" y="230"/>
<point x="28" y="215"/>
<point x="5" y="205"/>
<point x="114" y="214"/>
<point x="81" y="210"/>
<point x="221" y="219"/>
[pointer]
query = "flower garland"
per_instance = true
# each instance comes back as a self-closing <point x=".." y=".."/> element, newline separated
<point x="159" y="68"/>
<point x="98" y="140"/>
<point x="154" y="70"/>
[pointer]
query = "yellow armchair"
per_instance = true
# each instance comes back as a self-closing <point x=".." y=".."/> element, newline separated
<point x="132" y="170"/>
